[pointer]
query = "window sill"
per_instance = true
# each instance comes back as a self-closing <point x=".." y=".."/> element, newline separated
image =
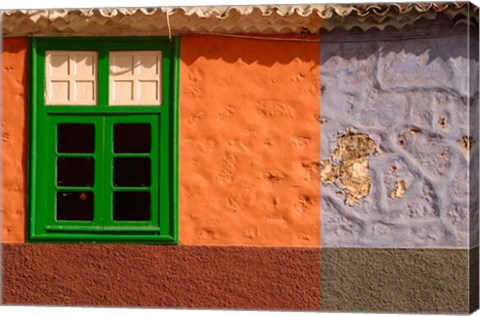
<point x="112" y="237"/>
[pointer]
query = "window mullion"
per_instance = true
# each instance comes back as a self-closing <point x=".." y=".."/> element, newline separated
<point x="107" y="161"/>
<point x="100" y="172"/>
<point x="102" y="97"/>
<point x="103" y="71"/>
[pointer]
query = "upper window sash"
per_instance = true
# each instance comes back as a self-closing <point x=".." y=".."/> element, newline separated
<point x="103" y="47"/>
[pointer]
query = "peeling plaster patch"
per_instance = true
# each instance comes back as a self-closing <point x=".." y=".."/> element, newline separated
<point x="398" y="179"/>
<point x="399" y="190"/>
<point x="348" y="166"/>
<point x="466" y="143"/>
<point x="442" y="121"/>
<point x="404" y="137"/>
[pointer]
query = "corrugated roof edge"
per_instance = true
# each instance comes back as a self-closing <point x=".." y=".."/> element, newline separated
<point x="268" y="19"/>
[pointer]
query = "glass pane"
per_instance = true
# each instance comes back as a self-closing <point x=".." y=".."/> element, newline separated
<point x="131" y="206"/>
<point x="74" y="206"/>
<point x="131" y="172"/>
<point x="132" y="138"/>
<point x="75" y="172"/>
<point x="76" y="138"/>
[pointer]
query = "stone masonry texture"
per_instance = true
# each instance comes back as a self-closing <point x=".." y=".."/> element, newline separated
<point x="396" y="138"/>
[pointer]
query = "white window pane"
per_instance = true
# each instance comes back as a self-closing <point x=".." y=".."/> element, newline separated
<point x="84" y="90"/>
<point x="58" y="65"/>
<point x="148" y="65"/>
<point x="148" y="91"/>
<point x="59" y="90"/>
<point x="121" y="64"/>
<point x="135" y="78"/>
<point x="123" y="91"/>
<point x="71" y="77"/>
<point x="84" y="65"/>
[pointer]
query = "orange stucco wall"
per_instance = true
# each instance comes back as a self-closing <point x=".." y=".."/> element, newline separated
<point x="14" y="152"/>
<point x="249" y="142"/>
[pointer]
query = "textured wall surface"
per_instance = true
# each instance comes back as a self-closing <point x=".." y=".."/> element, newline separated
<point x="249" y="136"/>
<point x="161" y="276"/>
<point x="249" y="142"/>
<point x="474" y="129"/>
<point x="398" y="280"/>
<point x="396" y="140"/>
<point x="14" y="148"/>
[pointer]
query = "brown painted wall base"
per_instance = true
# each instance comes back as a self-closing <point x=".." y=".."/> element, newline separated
<point x="399" y="280"/>
<point x="388" y="280"/>
<point x="161" y="276"/>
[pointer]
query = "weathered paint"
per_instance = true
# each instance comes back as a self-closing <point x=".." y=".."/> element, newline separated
<point x="249" y="142"/>
<point x="411" y="97"/>
<point x="348" y="167"/>
<point x="14" y="139"/>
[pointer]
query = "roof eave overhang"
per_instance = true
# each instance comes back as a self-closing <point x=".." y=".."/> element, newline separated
<point x="269" y="19"/>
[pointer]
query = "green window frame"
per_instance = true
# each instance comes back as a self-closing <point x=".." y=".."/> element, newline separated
<point x="45" y="158"/>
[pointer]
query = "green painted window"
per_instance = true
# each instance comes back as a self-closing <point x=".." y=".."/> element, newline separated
<point x="103" y="140"/>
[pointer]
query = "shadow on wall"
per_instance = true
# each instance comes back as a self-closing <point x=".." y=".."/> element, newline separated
<point x="13" y="45"/>
<point x="280" y="49"/>
<point x="408" y="40"/>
